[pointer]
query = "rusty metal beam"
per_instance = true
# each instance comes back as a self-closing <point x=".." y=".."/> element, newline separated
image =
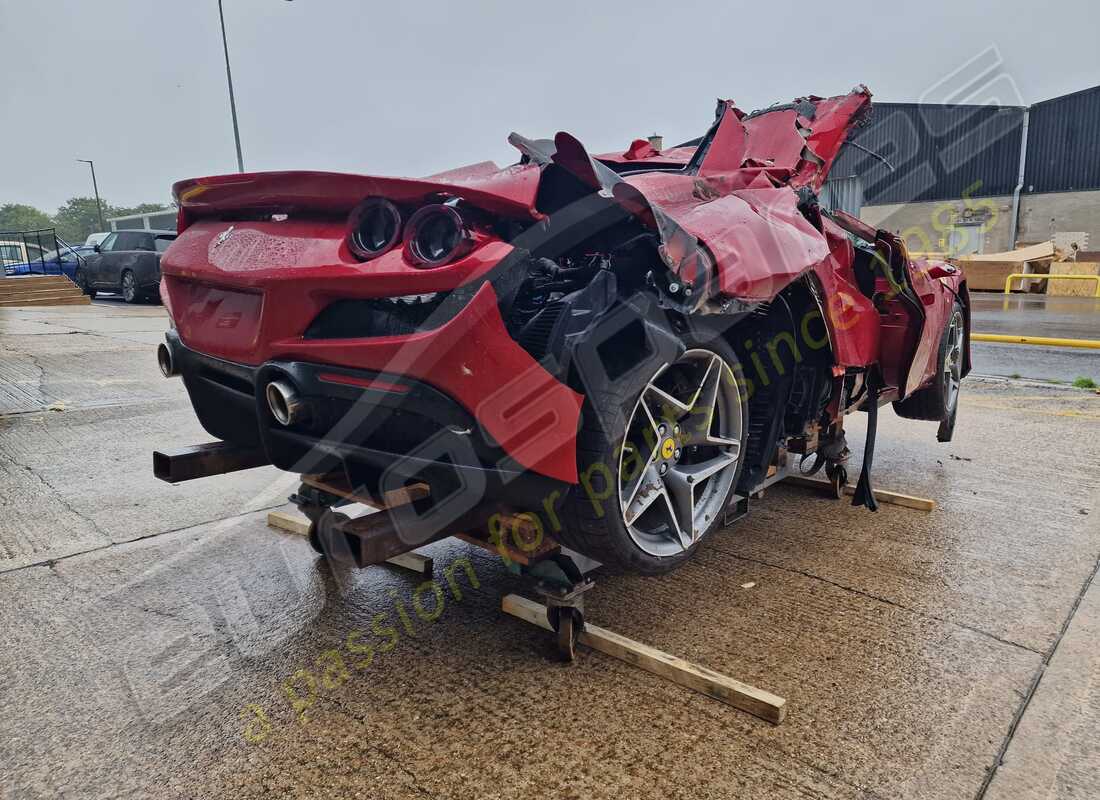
<point x="202" y="460"/>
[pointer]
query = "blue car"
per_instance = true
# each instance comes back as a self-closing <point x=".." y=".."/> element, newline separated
<point x="55" y="262"/>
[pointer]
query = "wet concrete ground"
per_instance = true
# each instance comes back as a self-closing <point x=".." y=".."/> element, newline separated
<point x="161" y="641"/>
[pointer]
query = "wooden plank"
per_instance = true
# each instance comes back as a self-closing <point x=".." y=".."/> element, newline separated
<point x="515" y="530"/>
<point x="757" y="702"/>
<point x="76" y="300"/>
<point x="299" y="524"/>
<point x="291" y="523"/>
<point x="505" y="552"/>
<point x="883" y="496"/>
<point x="413" y="561"/>
<point x="14" y="281"/>
<point x="338" y="485"/>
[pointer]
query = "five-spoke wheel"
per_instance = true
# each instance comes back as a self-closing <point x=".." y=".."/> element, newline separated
<point x="680" y="454"/>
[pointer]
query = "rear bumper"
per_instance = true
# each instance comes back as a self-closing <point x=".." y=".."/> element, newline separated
<point x="382" y="430"/>
<point x="249" y="293"/>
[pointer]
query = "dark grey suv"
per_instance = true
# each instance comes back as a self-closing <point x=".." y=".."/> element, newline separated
<point x="127" y="263"/>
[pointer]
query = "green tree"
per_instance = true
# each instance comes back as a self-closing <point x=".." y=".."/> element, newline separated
<point x="77" y="218"/>
<point x="19" y="217"/>
<point x="140" y="208"/>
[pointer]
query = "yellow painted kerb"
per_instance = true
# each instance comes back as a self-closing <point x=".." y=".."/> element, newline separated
<point x="1045" y="341"/>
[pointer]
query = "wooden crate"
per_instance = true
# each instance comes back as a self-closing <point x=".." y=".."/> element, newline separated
<point x="988" y="276"/>
<point x="1073" y="288"/>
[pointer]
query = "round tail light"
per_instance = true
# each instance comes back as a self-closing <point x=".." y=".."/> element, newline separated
<point x="374" y="228"/>
<point x="437" y="235"/>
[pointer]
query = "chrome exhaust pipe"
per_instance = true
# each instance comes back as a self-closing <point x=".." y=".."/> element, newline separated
<point x="164" y="361"/>
<point x="286" y="405"/>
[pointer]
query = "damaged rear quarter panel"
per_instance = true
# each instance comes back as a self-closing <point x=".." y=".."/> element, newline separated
<point x="741" y="203"/>
<point x="759" y="239"/>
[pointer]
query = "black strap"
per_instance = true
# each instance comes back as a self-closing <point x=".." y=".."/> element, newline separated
<point x="864" y="494"/>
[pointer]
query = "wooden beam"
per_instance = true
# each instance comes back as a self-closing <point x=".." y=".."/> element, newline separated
<point x="291" y="523"/>
<point x="413" y="561"/>
<point x="759" y="703"/>
<point x="883" y="496"/>
<point x="520" y="539"/>
<point x="339" y="486"/>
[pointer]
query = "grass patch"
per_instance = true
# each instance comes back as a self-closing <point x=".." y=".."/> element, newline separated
<point x="1085" y="383"/>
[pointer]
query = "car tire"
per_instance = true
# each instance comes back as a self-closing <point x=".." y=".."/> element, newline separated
<point x="130" y="292"/>
<point x="595" y="518"/>
<point x="939" y="401"/>
<point x="81" y="280"/>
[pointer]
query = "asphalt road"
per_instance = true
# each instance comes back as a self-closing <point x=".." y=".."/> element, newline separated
<point x="1036" y="315"/>
<point x="1061" y="364"/>
<point x="161" y="641"/>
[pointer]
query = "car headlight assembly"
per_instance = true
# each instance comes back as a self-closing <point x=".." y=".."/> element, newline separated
<point x="436" y="235"/>
<point x="374" y="228"/>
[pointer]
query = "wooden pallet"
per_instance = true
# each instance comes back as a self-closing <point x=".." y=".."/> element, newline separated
<point x="46" y="290"/>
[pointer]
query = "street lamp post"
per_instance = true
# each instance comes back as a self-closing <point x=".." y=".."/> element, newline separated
<point x="232" y="99"/>
<point x="95" y="187"/>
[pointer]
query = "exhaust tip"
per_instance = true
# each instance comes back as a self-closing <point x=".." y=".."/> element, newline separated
<point x="164" y="361"/>
<point x="285" y="404"/>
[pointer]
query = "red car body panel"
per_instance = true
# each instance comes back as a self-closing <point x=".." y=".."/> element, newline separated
<point x="758" y="238"/>
<point x="850" y="316"/>
<point x="249" y="298"/>
<point x="313" y="257"/>
<point x="468" y="358"/>
<point x="244" y="287"/>
<point x="508" y="191"/>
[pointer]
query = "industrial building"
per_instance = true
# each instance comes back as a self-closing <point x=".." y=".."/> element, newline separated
<point x="152" y="221"/>
<point x="967" y="179"/>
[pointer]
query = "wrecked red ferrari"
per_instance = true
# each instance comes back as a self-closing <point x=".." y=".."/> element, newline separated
<point x="623" y="345"/>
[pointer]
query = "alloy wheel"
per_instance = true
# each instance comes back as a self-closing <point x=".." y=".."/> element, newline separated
<point x="128" y="289"/>
<point x="952" y="362"/>
<point x="681" y="453"/>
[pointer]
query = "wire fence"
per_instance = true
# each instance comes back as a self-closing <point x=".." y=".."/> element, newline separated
<point x="38" y="252"/>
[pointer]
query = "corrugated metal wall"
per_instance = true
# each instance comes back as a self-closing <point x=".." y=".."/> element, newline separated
<point x="843" y="194"/>
<point x="1063" y="144"/>
<point x="938" y="152"/>
<point x="943" y="152"/>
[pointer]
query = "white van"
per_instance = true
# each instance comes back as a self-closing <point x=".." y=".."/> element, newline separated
<point x="96" y="238"/>
<point x="18" y="252"/>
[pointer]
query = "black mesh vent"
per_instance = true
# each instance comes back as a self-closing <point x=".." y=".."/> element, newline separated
<point x="535" y="336"/>
<point x="389" y="316"/>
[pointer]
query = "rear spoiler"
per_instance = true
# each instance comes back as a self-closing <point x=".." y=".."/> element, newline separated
<point x="509" y="192"/>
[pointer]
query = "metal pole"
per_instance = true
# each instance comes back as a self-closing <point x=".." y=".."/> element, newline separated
<point x="1014" y="227"/>
<point x="95" y="187"/>
<point x="232" y="99"/>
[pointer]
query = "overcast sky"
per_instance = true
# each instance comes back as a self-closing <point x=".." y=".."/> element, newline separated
<point x="411" y="88"/>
